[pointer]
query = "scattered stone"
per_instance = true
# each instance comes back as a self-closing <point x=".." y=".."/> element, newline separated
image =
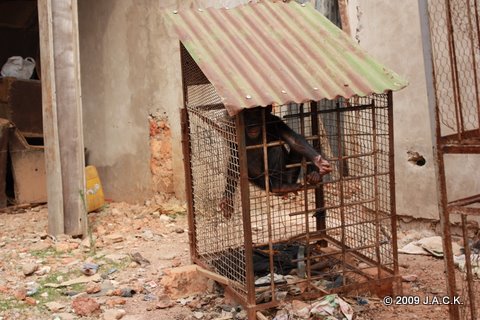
<point x="20" y="294"/>
<point x="93" y="288"/>
<point x="43" y="270"/>
<point x="113" y="314"/>
<point x="198" y="315"/>
<point x="165" y="218"/>
<point x="116" y="257"/>
<point x="114" y="238"/>
<point x="137" y="257"/>
<point x="164" y="302"/>
<point x="41" y="246"/>
<point x="149" y="297"/>
<point x="176" y="262"/>
<point x="169" y="255"/>
<point x="29" y="268"/>
<point x="86" y="242"/>
<point x="179" y="230"/>
<point x="115" y="302"/>
<point x="409" y="278"/>
<point x="30" y="301"/>
<point x="65" y="316"/>
<point x="435" y="290"/>
<point x="147" y="235"/>
<point x="84" y="306"/>
<point x="66" y="246"/>
<point x="54" y="306"/>
<point x="183" y="282"/>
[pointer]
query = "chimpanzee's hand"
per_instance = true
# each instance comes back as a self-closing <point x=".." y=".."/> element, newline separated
<point x="323" y="165"/>
<point x="313" y="178"/>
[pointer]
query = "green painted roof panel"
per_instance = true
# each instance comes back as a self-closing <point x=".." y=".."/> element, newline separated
<point x="275" y="52"/>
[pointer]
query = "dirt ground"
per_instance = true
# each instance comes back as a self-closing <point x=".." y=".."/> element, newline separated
<point x="132" y="245"/>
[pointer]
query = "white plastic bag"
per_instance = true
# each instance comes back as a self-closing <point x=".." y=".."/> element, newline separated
<point x="18" y="67"/>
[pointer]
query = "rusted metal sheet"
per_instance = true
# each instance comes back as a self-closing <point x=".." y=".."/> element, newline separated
<point x="275" y="53"/>
<point x="21" y="103"/>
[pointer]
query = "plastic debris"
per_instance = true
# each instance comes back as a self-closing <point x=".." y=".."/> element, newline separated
<point x="460" y="262"/>
<point x="138" y="258"/>
<point x="429" y="246"/>
<point x="331" y="307"/>
<point x="277" y="278"/>
<point x="89" y="269"/>
<point x="362" y="301"/>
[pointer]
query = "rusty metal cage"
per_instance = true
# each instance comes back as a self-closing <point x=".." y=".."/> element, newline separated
<point x="452" y="57"/>
<point x="338" y="236"/>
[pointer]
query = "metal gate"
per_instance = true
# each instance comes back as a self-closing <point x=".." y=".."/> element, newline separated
<point x="452" y="57"/>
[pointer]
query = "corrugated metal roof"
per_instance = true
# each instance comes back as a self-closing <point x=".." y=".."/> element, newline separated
<point x="276" y="53"/>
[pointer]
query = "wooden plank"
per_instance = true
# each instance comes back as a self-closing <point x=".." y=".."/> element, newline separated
<point x="63" y="139"/>
<point x="50" y="121"/>
<point x="345" y="22"/>
<point x="214" y="276"/>
<point x="69" y="109"/>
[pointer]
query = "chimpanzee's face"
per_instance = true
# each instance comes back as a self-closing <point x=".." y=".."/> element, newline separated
<point x="253" y="121"/>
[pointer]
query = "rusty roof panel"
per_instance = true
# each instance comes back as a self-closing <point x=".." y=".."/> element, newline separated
<point x="276" y="53"/>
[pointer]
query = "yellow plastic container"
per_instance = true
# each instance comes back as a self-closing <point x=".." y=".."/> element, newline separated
<point x="94" y="192"/>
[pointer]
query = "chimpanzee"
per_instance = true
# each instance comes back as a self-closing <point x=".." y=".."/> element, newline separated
<point x="281" y="179"/>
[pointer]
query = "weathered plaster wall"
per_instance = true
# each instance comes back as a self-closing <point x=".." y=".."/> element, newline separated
<point x="390" y="31"/>
<point x="130" y="68"/>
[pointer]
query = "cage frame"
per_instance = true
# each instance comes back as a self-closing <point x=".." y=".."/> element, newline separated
<point x="457" y="135"/>
<point x="378" y="284"/>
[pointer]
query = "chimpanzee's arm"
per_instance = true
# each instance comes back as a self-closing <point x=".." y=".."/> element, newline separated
<point x="300" y="145"/>
<point x="293" y="139"/>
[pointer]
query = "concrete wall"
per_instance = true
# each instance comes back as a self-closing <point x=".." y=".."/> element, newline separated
<point x="130" y="68"/>
<point x="390" y="31"/>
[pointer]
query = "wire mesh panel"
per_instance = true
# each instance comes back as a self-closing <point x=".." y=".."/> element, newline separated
<point x="454" y="44"/>
<point x="330" y="235"/>
<point x="454" y="26"/>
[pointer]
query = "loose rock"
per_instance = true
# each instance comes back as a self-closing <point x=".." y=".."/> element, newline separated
<point x="29" y="268"/>
<point x="93" y="288"/>
<point x="85" y="306"/>
<point x="409" y="278"/>
<point x="164" y="302"/>
<point x="113" y="314"/>
<point x="20" y="294"/>
<point x="54" y="306"/>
